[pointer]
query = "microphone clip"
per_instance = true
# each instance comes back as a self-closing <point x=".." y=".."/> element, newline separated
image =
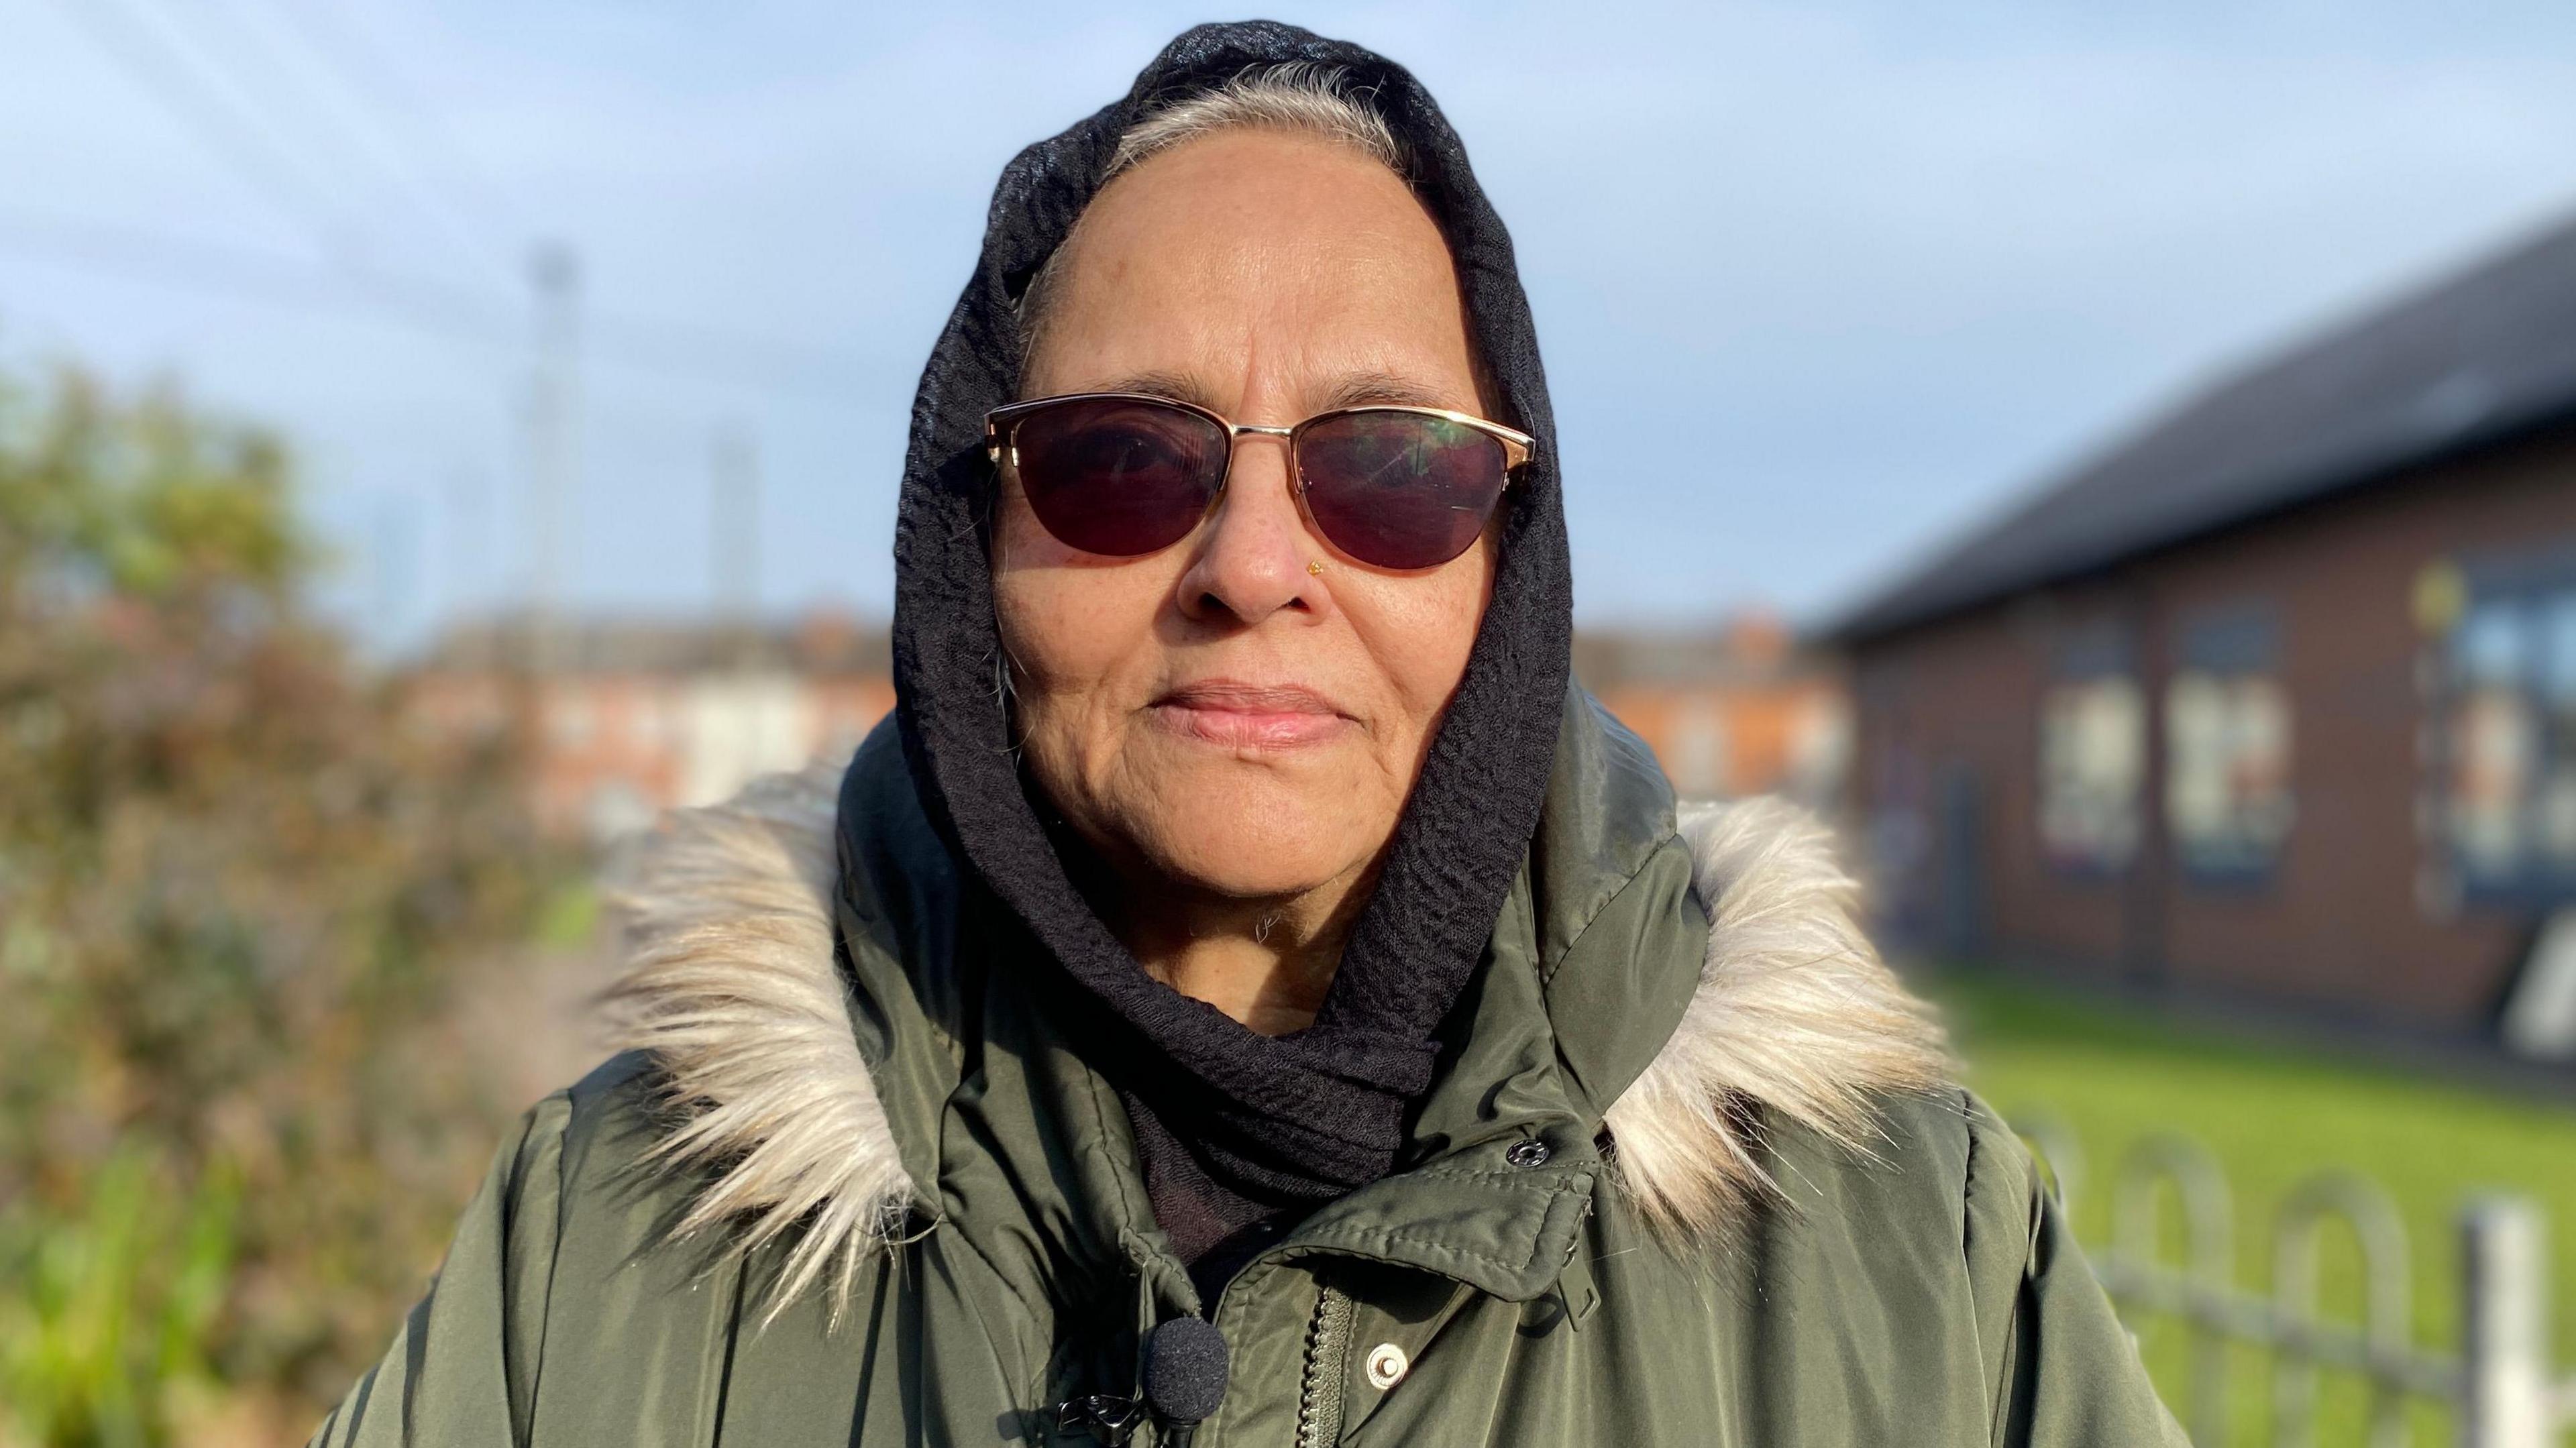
<point x="1110" y="1420"/>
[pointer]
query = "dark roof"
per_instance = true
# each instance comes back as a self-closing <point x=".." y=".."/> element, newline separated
<point x="2484" y="355"/>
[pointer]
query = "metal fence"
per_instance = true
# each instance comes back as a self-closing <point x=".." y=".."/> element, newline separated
<point x="2500" y="1383"/>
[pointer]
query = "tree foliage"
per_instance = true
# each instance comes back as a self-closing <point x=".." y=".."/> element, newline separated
<point x="237" y="889"/>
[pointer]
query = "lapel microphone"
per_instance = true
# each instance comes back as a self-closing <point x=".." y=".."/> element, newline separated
<point x="1185" y="1366"/>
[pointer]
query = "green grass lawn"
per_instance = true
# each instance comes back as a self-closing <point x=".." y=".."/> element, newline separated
<point x="2275" y="1114"/>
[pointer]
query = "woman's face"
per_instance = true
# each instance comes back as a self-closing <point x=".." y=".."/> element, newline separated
<point x="1222" y="715"/>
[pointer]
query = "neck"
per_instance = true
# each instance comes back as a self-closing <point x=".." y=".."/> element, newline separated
<point x="1266" y="963"/>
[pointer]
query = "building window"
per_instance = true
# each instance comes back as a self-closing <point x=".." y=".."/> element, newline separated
<point x="2092" y="755"/>
<point x="2227" y="746"/>
<point x="2510" y="724"/>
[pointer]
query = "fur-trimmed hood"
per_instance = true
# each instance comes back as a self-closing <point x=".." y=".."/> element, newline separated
<point x="731" y="986"/>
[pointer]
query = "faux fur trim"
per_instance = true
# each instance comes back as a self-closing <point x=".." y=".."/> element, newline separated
<point x="1794" y="1013"/>
<point x="731" y="986"/>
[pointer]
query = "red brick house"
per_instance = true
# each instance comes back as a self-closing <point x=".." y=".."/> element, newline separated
<point x="632" y="717"/>
<point x="2276" y="697"/>
<point x="1734" y="710"/>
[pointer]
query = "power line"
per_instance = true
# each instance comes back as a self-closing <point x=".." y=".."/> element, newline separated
<point x="364" y="72"/>
<point x="668" y="347"/>
<point x="265" y="73"/>
<point x="655" y="345"/>
<point x="693" y="348"/>
<point x="256" y="276"/>
<point x="206" y="114"/>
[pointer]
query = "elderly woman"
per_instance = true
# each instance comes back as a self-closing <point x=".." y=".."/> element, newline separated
<point x="1246" y="995"/>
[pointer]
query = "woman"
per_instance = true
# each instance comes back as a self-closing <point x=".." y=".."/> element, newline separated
<point x="1247" y="996"/>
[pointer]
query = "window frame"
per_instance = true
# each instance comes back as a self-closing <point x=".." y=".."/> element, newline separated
<point x="2084" y="654"/>
<point x="2531" y="583"/>
<point x="2240" y="640"/>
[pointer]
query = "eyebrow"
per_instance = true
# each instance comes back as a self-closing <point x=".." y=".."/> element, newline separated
<point x="1178" y="386"/>
<point x="1374" y="388"/>
<point x="1381" y="389"/>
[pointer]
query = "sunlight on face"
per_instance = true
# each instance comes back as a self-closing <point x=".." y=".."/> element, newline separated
<point x="1220" y="716"/>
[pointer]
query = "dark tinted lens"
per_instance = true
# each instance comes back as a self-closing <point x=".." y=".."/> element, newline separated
<point x="1399" y="489"/>
<point x="1118" y="477"/>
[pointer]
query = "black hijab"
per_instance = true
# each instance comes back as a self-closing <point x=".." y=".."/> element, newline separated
<point x="1234" y="1126"/>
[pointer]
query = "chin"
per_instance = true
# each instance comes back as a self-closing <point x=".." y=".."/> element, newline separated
<point x="1260" y="843"/>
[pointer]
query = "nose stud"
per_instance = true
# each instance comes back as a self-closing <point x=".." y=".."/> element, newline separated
<point x="1315" y="567"/>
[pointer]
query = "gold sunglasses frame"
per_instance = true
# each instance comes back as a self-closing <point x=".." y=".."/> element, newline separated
<point x="1000" y="423"/>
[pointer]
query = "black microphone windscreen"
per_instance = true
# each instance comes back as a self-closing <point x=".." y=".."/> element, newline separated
<point x="1185" y="1367"/>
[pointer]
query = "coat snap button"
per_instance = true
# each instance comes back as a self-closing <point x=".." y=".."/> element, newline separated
<point x="1386" y="1366"/>
<point x="1527" y="1153"/>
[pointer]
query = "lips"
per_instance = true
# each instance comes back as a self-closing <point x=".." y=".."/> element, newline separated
<point x="1238" y="715"/>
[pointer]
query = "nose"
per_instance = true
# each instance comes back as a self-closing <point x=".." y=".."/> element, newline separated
<point x="1252" y="557"/>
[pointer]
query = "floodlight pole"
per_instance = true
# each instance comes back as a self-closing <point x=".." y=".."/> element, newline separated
<point x="554" y="443"/>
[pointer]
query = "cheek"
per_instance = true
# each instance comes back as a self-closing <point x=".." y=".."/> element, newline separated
<point x="1421" y="629"/>
<point x="1074" y="628"/>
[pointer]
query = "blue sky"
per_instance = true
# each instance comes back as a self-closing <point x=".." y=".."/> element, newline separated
<point x="1819" y="284"/>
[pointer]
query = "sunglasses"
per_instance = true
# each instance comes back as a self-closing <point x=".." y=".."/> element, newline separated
<point x="1126" y="474"/>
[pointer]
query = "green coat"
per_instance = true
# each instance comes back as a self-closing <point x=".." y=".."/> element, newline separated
<point x="1693" y="1178"/>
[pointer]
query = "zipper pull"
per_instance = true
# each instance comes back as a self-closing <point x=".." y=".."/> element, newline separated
<point x="1575" y="1292"/>
<point x="1574" y="1289"/>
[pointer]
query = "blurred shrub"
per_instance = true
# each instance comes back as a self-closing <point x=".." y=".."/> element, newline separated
<point x="235" y="890"/>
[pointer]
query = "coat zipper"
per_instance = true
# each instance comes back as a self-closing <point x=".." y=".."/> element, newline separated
<point x="1319" y="1397"/>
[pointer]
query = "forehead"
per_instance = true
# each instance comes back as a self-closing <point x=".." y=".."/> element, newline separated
<point x="1261" y="261"/>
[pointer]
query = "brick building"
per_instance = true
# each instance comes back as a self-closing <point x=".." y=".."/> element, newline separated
<point x="2275" y="698"/>
<point x="631" y="718"/>
<point x="1735" y="710"/>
